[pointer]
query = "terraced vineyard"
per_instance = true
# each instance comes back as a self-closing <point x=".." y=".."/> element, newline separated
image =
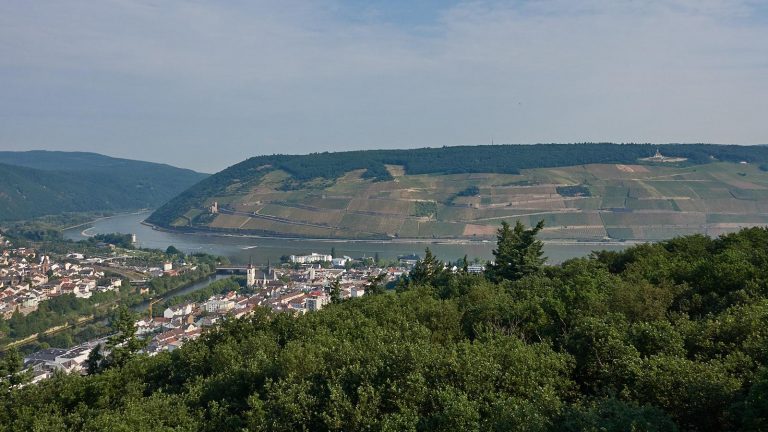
<point x="587" y="202"/>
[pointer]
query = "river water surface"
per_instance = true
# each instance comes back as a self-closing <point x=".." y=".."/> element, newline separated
<point x="242" y="249"/>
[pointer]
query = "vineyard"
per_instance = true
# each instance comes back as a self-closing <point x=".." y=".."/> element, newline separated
<point x="593" y="202"/>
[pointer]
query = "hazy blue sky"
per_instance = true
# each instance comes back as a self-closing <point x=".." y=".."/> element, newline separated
<point x="204" y="84"/>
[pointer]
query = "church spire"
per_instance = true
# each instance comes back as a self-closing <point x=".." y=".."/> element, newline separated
<point x="250" y="273"/>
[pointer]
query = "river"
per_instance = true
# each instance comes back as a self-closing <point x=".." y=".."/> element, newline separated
<point x="242" y="249"/>
<point x="200" y="284"/>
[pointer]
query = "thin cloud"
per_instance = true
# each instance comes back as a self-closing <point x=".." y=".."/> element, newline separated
<point x="205" y="84"/>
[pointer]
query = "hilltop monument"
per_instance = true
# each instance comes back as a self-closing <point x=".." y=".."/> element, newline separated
<point x="659" y="158"/>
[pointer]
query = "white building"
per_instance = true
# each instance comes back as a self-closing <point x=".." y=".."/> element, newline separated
<point x="180" y="310"/>
<point x="341" y="262"/>
<point x="68" y="360"/>
<point x="475" y="268"/>
<point x="316" y="302"/>
<point x="311" y="258"/>
<point x="217" y="304"/>
<point x="84" y="289"/>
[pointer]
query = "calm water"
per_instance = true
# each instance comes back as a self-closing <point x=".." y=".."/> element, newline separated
<point x="186" y="290"/>
<point x="239" y="249"/>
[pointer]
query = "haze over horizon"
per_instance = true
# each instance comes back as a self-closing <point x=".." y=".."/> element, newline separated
<point x="204" y="84"/>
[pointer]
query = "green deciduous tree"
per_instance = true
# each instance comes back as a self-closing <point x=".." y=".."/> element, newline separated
<point x="638" y="340"/>
<point x="612" y="414"/>
<point x="172" y="250"/>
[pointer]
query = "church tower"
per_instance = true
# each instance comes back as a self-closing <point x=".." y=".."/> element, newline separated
<point x="250" y="273"/>
<point x="45" y="264"/>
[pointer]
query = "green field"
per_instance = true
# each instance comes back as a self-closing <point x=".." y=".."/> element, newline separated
<point x="622" y="202"/>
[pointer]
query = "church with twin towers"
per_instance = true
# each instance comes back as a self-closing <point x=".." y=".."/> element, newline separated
<point x="251" y="278"/>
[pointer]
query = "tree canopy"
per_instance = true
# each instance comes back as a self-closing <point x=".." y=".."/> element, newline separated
<point x="661" y="337"/>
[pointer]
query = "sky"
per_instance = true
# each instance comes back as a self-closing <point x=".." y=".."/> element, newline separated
<point x="205" y="84"/>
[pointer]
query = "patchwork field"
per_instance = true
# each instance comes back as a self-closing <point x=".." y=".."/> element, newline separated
<point x="583" y="203"/>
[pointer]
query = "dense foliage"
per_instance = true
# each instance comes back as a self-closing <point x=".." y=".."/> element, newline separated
<point x="424" y="208"/>
<point x="41" y="183"/>
<point x="114" y="239"/>
<point x="470" y="191"/>
<point x="661" y="337"/>
<point x="47" y="228"/>
<point x="518" y="253"/>
<point x="573" y="191"/>
<point x="507" y="159"/>
<point x="204" y="266"/>
<point x="51" y="313"/>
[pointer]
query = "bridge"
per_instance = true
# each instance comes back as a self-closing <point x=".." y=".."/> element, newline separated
<point x="231" y="270"/>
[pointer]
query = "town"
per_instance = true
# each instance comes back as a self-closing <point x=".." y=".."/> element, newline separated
<point x="303" y="284"/>
<point x="28" y="278"/>
<point x="283" y="289"/>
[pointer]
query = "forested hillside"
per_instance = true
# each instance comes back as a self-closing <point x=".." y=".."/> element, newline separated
<point x="41" y="183"/>
<point x="661" y="337"/>
<point x="585" y="192"/>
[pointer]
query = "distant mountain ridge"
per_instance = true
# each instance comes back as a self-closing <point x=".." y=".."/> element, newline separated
<point x="464" y="192"/>
<point x="37" y="183"/>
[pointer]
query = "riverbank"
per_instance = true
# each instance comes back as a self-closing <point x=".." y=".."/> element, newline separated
<point x="191" y="286"/>
<point x="48" y="332"/>
<point x="405" y="241"/>
<point x="140" y="306"/>
<point x="242" y="249"/>
<point x="92" y="221"/>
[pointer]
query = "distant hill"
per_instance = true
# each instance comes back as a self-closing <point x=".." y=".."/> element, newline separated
<point x="583" y="191"/>
<point x="39" y="183"/>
